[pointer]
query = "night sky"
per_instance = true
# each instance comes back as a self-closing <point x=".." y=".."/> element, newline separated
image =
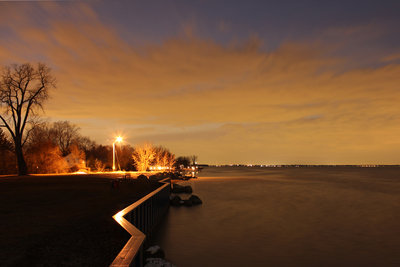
<point x="262" y="82"/>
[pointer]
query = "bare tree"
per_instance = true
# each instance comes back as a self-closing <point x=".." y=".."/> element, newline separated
<point x="170" y="161"/>
<point x="65" y="134"/>
<point x="23" y="90"/>
<point x="193" y="159"/>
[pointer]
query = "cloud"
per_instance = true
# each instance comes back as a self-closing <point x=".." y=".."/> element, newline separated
<point x="233" y="102"/>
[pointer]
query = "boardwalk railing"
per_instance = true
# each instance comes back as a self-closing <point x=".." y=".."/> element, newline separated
<point x="139" y="220"/>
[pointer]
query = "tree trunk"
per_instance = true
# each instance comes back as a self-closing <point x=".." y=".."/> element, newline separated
<point x="22" y="169"/>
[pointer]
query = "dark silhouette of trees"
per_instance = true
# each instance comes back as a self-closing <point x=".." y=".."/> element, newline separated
<point x="23" y="90"/>
<point x="182" y="162"/>
<point x="193" y="159"/>
<point x="7" y="158"/>
<point x="124" y="156"/>
<point x="85" y="144"/>
<point x="64" y="134"/>
<point x="5" y="144"/>
<point x="99" y="157"/>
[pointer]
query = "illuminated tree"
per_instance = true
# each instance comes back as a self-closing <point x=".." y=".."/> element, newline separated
<point x="161" y="156"/>
<point x="170" y="161"/>
<point x="99" y="165"/>
<point x="42" y="154"/>
<point x="143" y="156"/>
<point x="46" y="158"/>
<point x="23" y="90"/>
<point x="75" y="158"/>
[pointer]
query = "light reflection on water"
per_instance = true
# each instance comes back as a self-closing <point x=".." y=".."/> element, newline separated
<point x="287" y="217"/>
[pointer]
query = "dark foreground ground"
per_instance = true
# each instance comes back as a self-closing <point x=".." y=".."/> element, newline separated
<point x="63" y="220"/>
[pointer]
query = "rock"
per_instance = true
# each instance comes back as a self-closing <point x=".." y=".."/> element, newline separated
<point x="195" y="200"/>
<point x="178" y="189"/>
<point x="153" y="249"/>
<point x="188" y="202"/>
<point x="176" y="201"/>
<point x="154" y="177"/>
<point x="157" y="262"/>
<point x="154" y="252"/>
<point x="175" y="175"/>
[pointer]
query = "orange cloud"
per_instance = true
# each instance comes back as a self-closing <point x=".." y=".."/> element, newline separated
<point x="228" y="103"/>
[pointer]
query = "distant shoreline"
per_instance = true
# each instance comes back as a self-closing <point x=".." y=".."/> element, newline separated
<point x="303" y="165"/>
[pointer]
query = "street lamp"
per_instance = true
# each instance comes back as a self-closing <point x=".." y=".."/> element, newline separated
<point x="117" y="140"/>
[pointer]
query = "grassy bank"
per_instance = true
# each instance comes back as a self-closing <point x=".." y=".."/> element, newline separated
<point x="63" y="220"/>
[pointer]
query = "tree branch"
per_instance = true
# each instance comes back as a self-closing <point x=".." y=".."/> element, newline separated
<point x="7" y="126"/>
<point x="27" y="136"/>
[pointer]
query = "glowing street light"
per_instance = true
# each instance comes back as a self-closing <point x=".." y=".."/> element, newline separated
<point x="117" y="140"/>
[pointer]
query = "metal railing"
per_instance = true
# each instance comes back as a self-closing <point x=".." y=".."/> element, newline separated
<point x="139" y="220"/>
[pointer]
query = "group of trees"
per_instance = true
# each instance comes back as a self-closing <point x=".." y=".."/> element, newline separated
<point x="7" y="156"/>
<point x="186" y="161"/>
<point x="148" y="156"/>
<point x="55" y="147"/>
<point x="59" y="147"/>
<point x="41" y="147"/>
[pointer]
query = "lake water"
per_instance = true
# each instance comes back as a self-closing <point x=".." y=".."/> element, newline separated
<point x="287" y="217"/>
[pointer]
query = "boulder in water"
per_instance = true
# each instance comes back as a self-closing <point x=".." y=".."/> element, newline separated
<point x="195" y="200"/>
<point x="158" y="262"/>
<point x="176" y="201"/>
<point x="188" y="202"/>
<point x="154" y="252"/>
<point x="178" y="189"/>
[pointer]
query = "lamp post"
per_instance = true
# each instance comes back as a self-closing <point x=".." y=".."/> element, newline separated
<point x="117" y="140"/>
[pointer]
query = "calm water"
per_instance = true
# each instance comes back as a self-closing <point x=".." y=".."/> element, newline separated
<point x="287" y="217"/>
